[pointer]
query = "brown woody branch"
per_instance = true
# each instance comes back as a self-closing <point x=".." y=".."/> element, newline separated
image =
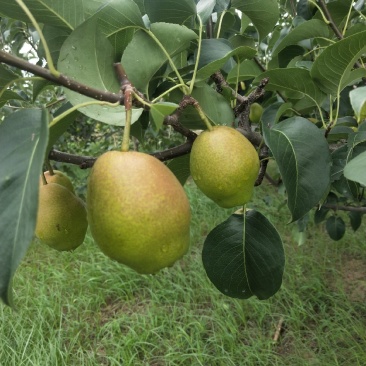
<point x="172" y="120"/>
<point x="258" y="92"/>
<point x="62" y="80"/>
<point x="220" y="82"/>
<point x="327" y="14"/>
<point x="344" y="208"/>
<point x="85" y="162"/>
<point x="334" y="27"/>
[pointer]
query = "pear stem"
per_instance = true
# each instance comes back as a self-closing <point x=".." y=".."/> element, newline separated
<point x="203" y="116"/>
<point x="128" y="107"/>
<point x="44" y="180"/>
<point x="49" y="167"/>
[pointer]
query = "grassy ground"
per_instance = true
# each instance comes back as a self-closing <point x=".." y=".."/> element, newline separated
<point x="82" y="309"/>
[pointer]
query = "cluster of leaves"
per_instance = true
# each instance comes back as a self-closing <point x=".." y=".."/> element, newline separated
<point x="315" y="103"/>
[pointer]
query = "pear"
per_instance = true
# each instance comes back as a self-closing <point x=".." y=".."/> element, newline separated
<point x="224" y="166"/>
<point x="60" y="178"/>
<point x="138" y="212"/>
<point x="61" y="219"/>
<point x="255" y="112"/>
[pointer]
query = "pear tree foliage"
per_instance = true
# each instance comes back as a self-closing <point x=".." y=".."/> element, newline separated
<point x="71" y="63"/>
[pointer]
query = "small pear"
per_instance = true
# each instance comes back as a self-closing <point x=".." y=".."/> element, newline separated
<point x="255" y="112"/>
<point x="224" y="165"/>
<point x="138" y="212"/>
<point x="60" y="178"/>
<point x="61" y="219"/>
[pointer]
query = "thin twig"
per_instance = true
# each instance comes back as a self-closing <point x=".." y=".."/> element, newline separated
<point x="85" y="162"/>
<point x="220" y="82"/>
<point x="344" y="208"/>
<point x="244" y="106"/>
<point x="334" y="27"/>
<point x="173" y="121"/>
<point x="263" y="156"/>
<point x="271" y="181"/>
<point x="62" y="80"/>
<point x="279" y="330"/>
<point x="327" y="14"/>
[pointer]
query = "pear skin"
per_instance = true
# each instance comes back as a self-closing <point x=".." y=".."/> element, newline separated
<point x="224" y="166"/>
<point x="60" y="178"/>
<point x="138" y="212"/>
<point x="255" y="112"/>
<point x="61" y="219"/>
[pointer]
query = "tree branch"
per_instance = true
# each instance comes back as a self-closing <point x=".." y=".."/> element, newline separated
<point x="244" y="106"/>
<point x="220" y="82"/>
<point x="173" y="120"/>
<point x="263" y="156"/>
<point x="85" y="162"/>
<point x="62" y="80"/>
<point x="334" y="27"/>
<point x="325" y="10"/>
<point x="344" y="208"/>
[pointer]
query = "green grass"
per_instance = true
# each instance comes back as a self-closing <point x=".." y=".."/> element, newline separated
<point x="81" y="308"/>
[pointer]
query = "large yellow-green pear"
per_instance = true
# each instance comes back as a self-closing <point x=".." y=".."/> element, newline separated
<point x="61" y="219"/>
<point x="138" y="212"/>
<point x="60" y="178"/>
<point x="224" y="165"/>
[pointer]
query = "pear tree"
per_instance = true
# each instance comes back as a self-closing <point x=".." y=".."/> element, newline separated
<point x="286" y="78"/>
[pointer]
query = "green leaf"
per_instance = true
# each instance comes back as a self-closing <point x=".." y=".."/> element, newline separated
<point x="214" y="105"/>
<point x="307" y="30"/>
<point x="222" y="5"/>
<point x="271" y="115"/>
<point x="293" y="80"/>
<point x="23" y="140"/>
<point x="304" y="9"/>
<point x="264" y="14"/>
<point x="205" y="8"/>
<point x="92" y="6"/>
<point x="246" y="70"/>
<point x="116" y="15"/>
<point x="303" y="158"/>
<point x="6" y="76"/>
<point x="358" y="102"/>
<point x="87" y="56"/>
<point x="320" y="214"/>
<point x="55" y="37"/>
<point x="215" y="53"/>
<point x="356" y="143"/>
<point x="355" y="169"/>
<point x="339" y="159"/>
<point x="243" y="258"/>
<point x="61" y="126"/>
<point x="65" y="13"/>
<point x="346" y="188"/>
<point x="118" y="20"/>
<point x="355" y="219"/>
<point x="160" y="110"/>
<point x="143" y="57"/>
<point x="170" y="11"/>
<point x="335" y="227"/>
<point x="180" y="167"/>
<point x="332" y="69"/>
<point x="40" y="85"/>
<point x="339" y="11"/>
<point x="9" y="95"/>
